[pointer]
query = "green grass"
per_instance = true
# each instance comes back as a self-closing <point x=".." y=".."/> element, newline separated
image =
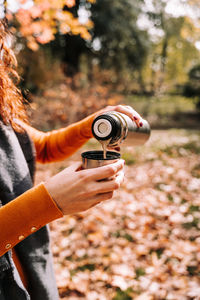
<point x="160" y="105"/>
<point x="166" y="111"/>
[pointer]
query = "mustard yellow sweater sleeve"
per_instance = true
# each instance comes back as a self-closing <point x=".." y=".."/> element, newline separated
<point x="25" y="215"/>
<point x="59" y="144"/>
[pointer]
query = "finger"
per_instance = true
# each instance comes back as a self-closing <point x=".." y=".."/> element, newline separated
<point x="134" y="115"/>
<point x="129" y="111"/>
<point x="117" y="149"/>
<point x="110" y="185"/>
<point x="101" y="197"/>
<point x="120" y="177"/>
<point x="106" y="171"/>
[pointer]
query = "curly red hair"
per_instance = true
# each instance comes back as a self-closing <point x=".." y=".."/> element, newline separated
<point x="11" y="99"/>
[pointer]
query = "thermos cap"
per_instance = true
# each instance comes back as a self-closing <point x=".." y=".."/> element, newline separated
<point x="105" y="127"/>
<point x="102" y="128"/>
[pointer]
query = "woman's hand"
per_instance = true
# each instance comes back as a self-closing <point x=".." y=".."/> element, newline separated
<point x="125" y="109"/>
<point x="76" y="191"/>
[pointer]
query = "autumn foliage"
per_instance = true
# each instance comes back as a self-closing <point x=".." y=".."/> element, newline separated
<point x="39" y="23"/>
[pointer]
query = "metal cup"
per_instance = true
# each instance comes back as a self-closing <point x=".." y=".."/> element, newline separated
<point x="94" y="159"/>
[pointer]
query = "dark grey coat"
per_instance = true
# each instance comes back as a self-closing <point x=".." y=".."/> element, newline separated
<point x="17" y="167"/>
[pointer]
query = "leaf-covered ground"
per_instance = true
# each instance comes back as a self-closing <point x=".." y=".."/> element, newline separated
<point x="145" y="243"/>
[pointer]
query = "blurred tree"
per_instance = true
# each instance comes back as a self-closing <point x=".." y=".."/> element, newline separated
<point x="174" y="51"/>
<point x="35" y="25"/>
<point x="134" y="59"/>
<point x="68" y="47"/>
<point x="182" y="56"/>
<point x="170" y="27"/>
<point x="118" y="46"/>
<point x="38" y="21"/>
<point x="192" y="86"/>
<point x="117" y="41"/>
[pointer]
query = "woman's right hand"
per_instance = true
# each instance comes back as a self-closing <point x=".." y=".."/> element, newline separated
<point x="76" y="191"/>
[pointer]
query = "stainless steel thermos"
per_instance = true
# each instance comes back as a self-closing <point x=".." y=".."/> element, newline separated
<point x="115" y="128"/>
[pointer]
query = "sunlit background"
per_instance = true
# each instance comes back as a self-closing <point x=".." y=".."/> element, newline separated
<point x="76" y="57"/>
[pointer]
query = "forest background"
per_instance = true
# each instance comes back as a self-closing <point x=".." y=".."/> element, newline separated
<point x="76" y="57"/>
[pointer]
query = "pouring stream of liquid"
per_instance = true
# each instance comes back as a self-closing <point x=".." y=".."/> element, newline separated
<point x="104" y="145"/>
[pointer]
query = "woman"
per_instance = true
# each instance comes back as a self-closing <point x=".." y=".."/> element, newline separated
<point x="25" y="259"/>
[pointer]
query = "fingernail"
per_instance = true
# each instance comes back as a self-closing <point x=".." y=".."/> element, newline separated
<point x="135" y="118"/>
<point x="141" y="124"/>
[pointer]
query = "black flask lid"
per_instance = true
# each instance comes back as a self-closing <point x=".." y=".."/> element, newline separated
<point x="115" y="125"/>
